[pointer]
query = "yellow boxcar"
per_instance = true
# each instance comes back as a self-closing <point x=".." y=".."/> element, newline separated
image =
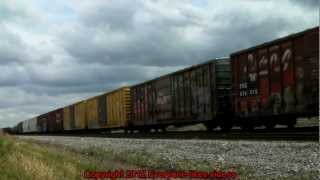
<point x="69" y="119"/>
<point x="92" y="113"/>
<point x="66" y="118"/>
<point x="118" y="107"/>
<point x="80" y="115"/>
<point x="109" y="110"/>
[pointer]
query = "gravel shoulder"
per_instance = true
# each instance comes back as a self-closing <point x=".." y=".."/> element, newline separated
<point x="249" y="159"/>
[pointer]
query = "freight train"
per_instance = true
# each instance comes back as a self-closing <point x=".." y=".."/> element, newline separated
<point x="269" y="84"/>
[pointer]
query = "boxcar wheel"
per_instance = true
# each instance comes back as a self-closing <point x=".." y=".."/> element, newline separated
<point x="145" y="130"/>
<point x="269" y="124"/>
<point x="291" y="124"/>
<point x="210" y="126"/>
<point x="247" y="126"/>
<point x="225" y="127"/>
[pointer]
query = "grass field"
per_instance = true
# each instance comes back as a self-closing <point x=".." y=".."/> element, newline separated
<point x="30" y="159"/>
<point x="27" y="160"/>
<point x="23" y="160"/>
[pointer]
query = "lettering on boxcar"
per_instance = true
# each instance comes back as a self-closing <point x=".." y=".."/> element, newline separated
<point x="243" y="81"/>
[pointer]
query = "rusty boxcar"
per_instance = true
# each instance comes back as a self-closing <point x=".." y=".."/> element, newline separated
<point x="51" y="122"/>
<point x="55" y="121"/>
<point x="198" y="94"/>
<point x="275" y="82"/>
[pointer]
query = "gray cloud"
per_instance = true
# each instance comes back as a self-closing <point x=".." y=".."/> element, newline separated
<point x="147" y="37"/>
<point x="311" y="4"/>
<point x="11" y="47"/>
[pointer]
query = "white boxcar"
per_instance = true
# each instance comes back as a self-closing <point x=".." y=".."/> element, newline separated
<point x="30" y="126"/>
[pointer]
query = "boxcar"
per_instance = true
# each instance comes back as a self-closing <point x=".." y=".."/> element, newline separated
<point x="30" y="126"/>
<point x="16" y="128"/>
<point x="277" y="81"/>
<point x="118" y="107"/>
<point x="42" y="123"/>
<point x="110" y="110"/>
<point x="74" y="116"/>
<point x="92" y="113"/>
<point x="55" y="121"/>
<point x="20" y="128"/>
<point x="6" y="130"/>
<point x="68" y="118"/>
<point x="50" y="122"/>
<point x="80" y="115"/>
<point x="198" y="94"/>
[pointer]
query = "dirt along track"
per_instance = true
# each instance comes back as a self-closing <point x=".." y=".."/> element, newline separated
<point x="296" y="134"/>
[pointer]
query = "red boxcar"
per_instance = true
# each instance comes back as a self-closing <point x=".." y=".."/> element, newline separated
<point x="279" y="80"/>
<point x="55" y="121"/>
<point x="51" y="122"/>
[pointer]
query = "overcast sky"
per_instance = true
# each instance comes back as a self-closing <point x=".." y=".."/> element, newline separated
<point x="53" y="53"/>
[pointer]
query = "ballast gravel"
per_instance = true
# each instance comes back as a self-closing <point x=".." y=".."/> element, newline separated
<point x="272" y="159"/>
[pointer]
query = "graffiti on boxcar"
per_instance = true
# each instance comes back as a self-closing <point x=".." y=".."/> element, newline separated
<point x="263" y="66"/>
<point x="275" y="98"/>
<point x="275" y="66"/>
<point x="146" y="99"/>
<point x="201" y="102"/>
<point x="162" y="99"/>
<point x="263" y="78"/>
<point x="200" y="92"/>
<point x="300" y="87"/>
<point x="288" y="80"/>
<point x="252" y="83"/>
<point x="58" y="118"/>
<point x="243" y="80"/>
<point x="150" y="102"/>
<point x="204" y="100"/>
<point x="252" y="68"/>
<point x="243" y="85"/>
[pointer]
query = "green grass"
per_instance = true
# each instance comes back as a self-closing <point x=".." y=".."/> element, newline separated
<point x="24" y="160"/>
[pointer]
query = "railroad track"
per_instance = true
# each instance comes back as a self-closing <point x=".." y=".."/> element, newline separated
<point x="296" y="134"/>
